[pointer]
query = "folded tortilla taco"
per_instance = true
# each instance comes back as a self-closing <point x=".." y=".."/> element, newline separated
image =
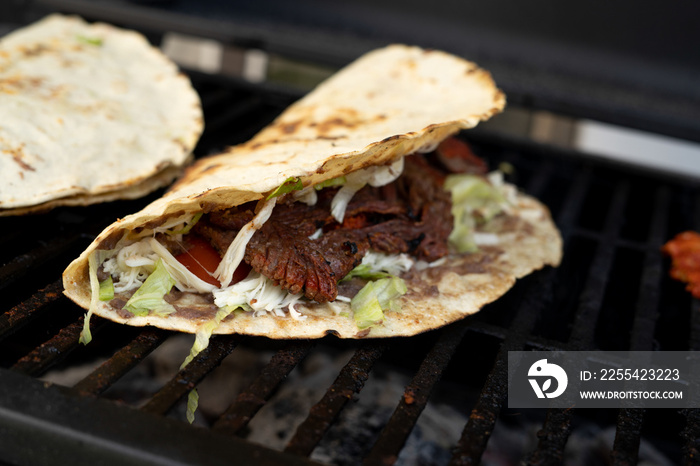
<point x="89" y="113"/>
<point x="355" y="213"/>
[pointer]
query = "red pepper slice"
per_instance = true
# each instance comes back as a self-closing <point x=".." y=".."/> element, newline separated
<point x="241" y="272"/>
<point x="458" y="157"/>
<point x="202" y="260"/>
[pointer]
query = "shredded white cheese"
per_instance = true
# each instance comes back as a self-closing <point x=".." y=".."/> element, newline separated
<point x="317" y="234"/>
<point x="485" y="239"/>
<point x="307" y="195"/>
<point x="131" y="266"/>
<point x="258" y="293"/>
<point x="394" y="264"/>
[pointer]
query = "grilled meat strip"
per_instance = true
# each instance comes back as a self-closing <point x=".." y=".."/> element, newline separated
<point x="411" y="215"/>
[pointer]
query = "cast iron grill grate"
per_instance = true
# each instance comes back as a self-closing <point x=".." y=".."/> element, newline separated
<point x="611" y="292"/>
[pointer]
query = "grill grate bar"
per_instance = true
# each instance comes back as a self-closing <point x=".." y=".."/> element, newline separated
<point x="254" y="397"/>
<point x="556" y="429"/>
<point x="415" y="397"/>
<point x="122" y="361"/>
<point x="598" y="237"/>
<point x="591" y="299"/>
<point x="189" y="376"/>
<point x="566" y="220"/>
<point x="350" y="381"/>
<point x="691" y="432"/>
<point x="695" y="305"/>
<point x="21" y="314"/>
<point x="535" y="341"/>
<point x="24" y="264"/>
<point x="10" y="236"/>
<point x="552" y="438"/>
<point x="540" y="179"/>
<point x="477" y="431"/>
<point x="695" y="325"/>
<point x="55" y="349"/>
<point x="483" y="417"/>
<point x="628" y="436"/>
<point x="629" y="422"/>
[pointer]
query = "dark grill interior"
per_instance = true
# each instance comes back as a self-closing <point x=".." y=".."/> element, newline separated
<point x="612" y="292"/>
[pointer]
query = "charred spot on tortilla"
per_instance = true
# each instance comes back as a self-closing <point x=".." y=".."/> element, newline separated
<point x="213" y="166"/>
<point x="374" y="236"/>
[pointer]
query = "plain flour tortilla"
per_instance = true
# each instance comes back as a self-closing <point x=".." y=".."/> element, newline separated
<point x="89" y="113"/>
<point x="386" y="105"/>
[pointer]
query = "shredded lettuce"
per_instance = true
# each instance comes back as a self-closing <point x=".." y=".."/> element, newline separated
<point x="234" y="254"/>
<point x="366" y="309"/>
<point x="188" y="226"/>
<point x="384" y="174"/>
<point x="475" y="200"/>
<point x="343" y="197"/>
<point x="374" y="298"/>
<point x="192" y="403"/>
<point x="201" y="341"/>
<point x="308" y="195"/>
<point x="333" y="182"/>
<point x="107" y="289"/>
<point x="476" y="191"/>
<point x="96" y="41"/>
<point x="185" y="280"/>
<point x="94" y="261"/>
<point x="365" y="271"/>
<point x="291" y="184"/>
<point x="205" y="331"/>
<point x="462" y="235"/>
<point x="85" y="334"/>
<point x="149" y="297"/>
<point x="174" y="226"/>
<point x="132" y="265"/>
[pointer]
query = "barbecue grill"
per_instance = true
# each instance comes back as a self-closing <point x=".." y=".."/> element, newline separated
<point x="612" y="292"/>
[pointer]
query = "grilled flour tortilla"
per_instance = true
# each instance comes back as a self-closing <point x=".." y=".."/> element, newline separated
<point x="370" y="123"/>
<point x="89" y="113"/>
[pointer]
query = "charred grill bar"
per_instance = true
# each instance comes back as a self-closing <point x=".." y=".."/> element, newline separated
<point x="611" y="292"/>
<point x="349" y="382"/>
<point x="248" y="402"/>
